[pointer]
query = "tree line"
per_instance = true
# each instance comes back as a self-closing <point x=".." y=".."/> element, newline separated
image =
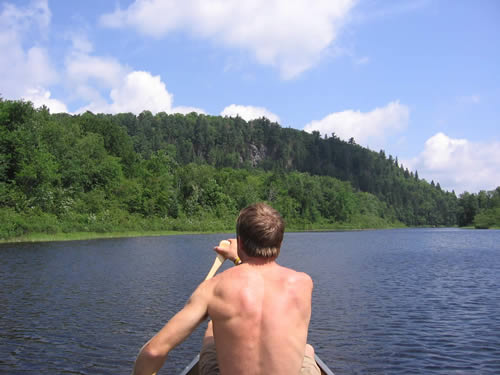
<point x="481" y="210"/>
<point x="88" y="172"/>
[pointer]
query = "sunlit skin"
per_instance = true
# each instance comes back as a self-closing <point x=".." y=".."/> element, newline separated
<point x="259" y="313"/>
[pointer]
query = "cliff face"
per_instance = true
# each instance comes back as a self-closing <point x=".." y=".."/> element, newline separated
<point x="257" y="154"/>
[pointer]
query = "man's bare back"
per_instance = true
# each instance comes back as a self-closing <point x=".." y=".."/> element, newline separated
<point x="260" y="311"/>
<point x="260" y="316"/>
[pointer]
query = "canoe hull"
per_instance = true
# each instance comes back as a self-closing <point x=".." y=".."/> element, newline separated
<point x="192" y="368"/>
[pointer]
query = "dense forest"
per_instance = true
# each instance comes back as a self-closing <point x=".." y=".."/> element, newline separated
<point x="101" y="173"/>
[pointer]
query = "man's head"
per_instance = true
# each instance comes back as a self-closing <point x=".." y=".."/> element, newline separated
<point x="260" y="229"/>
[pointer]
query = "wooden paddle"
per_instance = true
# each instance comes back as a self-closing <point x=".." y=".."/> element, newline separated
<point x="218" y="260"/>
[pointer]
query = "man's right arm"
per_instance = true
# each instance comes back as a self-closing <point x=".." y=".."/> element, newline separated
<point x="155" y="351"/>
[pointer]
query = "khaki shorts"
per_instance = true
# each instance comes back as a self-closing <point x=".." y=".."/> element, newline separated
<point x="208" y="362"/>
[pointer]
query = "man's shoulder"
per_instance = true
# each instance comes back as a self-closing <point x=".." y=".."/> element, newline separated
<point x="229" y="278"/>
<point x="235" y="276"/>
<point x="297" y="277"/>
<point x="293" y="272"/>
<point x="305" y="277"/>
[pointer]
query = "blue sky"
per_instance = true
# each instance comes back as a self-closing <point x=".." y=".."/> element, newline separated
<point x="419" y="79"/>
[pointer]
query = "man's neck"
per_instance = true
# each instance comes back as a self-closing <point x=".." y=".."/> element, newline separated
<point x="258" y="261"/>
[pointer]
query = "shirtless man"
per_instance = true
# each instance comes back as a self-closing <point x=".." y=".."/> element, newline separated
<point x="260" y="311"/>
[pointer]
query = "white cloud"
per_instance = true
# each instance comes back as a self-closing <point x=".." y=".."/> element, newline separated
<point x="26" y="71"/>
<point x="21" y="20"/>
<point x="248" y="112"/>
<point x="133" y="92"/>
<point x="136" y="92"/>
<point x="186" y="110"/>
<point x="40" y="97"/>
<point x="459" y="164"/>
<point x="105" y="71"/>
<point x="102" y="82"/>
<point x="367" y="128"/>
<point x="80" y="42"/>
<point x="141" y="91"/>
<point x="87" y="75"/>
<point x="289" y="35"/>
<point x="107" y="86"/>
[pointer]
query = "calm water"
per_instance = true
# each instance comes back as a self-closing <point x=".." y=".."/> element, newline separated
<point x="413" y="301"/>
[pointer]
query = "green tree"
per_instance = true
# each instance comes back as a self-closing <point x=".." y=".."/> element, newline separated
<point x="468" y="208"/>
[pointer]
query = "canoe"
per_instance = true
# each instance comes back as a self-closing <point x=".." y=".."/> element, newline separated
<point x="192" y="368"/>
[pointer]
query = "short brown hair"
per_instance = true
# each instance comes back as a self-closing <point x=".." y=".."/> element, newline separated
<point x="260" y="228"/>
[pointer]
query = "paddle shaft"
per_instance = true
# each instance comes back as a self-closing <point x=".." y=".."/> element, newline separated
<point x="218" y="260"/>
<point x="215" y="267"/>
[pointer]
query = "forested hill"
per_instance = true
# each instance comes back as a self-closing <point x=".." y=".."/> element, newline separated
<point x="100" y="173"/>
<point x="232" y="142"/>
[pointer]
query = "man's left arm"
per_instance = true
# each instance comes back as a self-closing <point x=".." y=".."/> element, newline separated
<point x="155" y="351"/>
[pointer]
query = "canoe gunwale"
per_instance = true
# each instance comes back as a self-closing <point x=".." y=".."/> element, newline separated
<point x="322" y="365"/>
<point x="194" y="363"/>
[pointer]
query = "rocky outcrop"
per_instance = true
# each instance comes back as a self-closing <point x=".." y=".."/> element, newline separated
<point x="257" y="154"/>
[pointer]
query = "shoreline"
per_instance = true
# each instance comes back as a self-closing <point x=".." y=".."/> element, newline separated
<point x="81" y="236"/>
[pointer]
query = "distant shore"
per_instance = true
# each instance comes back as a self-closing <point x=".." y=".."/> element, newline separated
<point x="78" y="236"/>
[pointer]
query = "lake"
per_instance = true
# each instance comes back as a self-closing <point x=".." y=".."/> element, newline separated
<point x="409" y="301"/>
